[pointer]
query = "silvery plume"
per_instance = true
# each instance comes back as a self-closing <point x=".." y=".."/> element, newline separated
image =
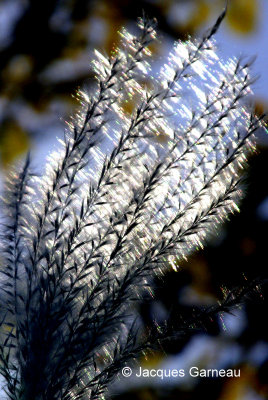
<point x="147" y="169"/>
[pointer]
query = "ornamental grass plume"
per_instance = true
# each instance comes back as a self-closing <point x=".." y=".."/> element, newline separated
<point x="126" y="195"/>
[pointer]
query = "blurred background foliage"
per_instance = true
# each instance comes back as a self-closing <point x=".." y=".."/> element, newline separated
<point x="45" y="50"/>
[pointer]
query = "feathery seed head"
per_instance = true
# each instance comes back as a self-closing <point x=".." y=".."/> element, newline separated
<point x="149" y="166"/>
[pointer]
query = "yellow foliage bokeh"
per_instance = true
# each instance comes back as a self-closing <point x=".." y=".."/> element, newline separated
<point x="242" y="15"/>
